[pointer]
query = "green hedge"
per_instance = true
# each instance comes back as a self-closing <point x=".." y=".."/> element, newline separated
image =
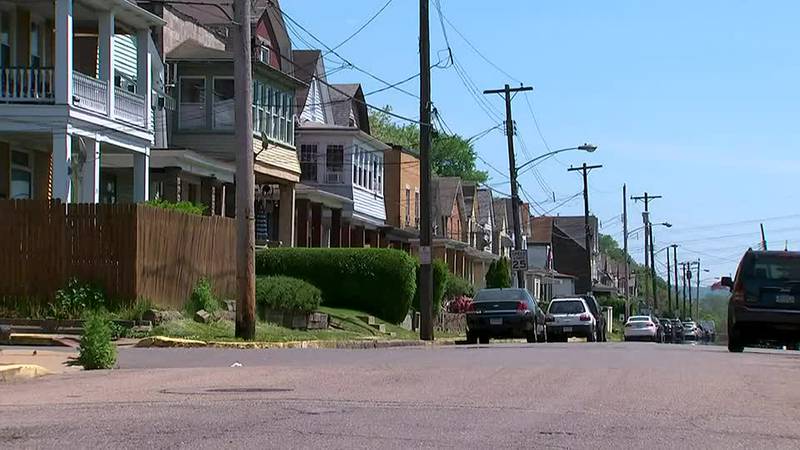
<point x="457" y="286"/>
<point x="499" y="274"/>
<point x="287" y="294"/>
<point x="197" y="209"/>
<point x="380" y="282"/>
<point x="440" y="278"/>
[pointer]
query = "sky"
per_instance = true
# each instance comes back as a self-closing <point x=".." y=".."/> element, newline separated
<point x="694" y="101"/>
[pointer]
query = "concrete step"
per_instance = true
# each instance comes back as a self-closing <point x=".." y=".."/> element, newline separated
<point x="370" y="320"/>
<point x="379" y="326"/>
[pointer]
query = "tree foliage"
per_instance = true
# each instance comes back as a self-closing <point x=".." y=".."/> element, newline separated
<point x="451" y="155"/>
<point x="499" y="274"/>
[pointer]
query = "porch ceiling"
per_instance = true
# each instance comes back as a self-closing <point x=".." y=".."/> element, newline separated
<point x="85" y="13"/>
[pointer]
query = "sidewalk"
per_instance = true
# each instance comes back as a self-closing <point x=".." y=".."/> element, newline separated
<point x="21" y="364"/>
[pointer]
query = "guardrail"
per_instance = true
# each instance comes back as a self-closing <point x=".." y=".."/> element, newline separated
<point x="90" y="93"/>
<point x="26" y="85"/>
<point x="129" y="107"/>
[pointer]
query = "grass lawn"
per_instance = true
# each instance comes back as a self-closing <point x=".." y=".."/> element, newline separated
<point x="350" y="327"/>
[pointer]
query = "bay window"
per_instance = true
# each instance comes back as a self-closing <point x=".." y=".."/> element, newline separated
<point x="192" y="103"/>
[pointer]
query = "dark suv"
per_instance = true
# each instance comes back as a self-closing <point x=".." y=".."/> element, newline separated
<point x="597" y="312"/>
<point x="667" y="332"/>
<point x="765" y="300"/>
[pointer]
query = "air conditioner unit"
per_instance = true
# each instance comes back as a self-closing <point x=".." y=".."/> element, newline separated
<point x="333" y="177"/>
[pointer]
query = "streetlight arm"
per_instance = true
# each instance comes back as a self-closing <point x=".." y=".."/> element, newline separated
<point x="585" y="147"/>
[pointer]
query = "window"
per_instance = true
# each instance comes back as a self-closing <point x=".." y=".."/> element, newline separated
<point x="36" y="33"/>
<point x="290" y="119"/>
<point x="5" y="39"/>
<point x="378" y="174"/>
<point x="308" y="162"/>
<point x="223" y="103"/>
<point x="370" y="172"/>
<point x="263" y="54"/>
<point x="355" y="165"/>
<point x="256" y="107"/>
<point x="276" y="105"/>
<point x="21" y="176"/>
<point x="334" y="164"/>
<point x="408" y="206"/>
<point x="192" y="102"/>
<point x="416" y="208"/>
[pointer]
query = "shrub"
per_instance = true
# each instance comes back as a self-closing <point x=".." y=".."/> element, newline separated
<point x="499" y="274"/>
<point x="96" y="350"/>
<point x="457" y="287"/>
<point x="202" y="298"/>
<point x="440" y="277"/>
<point x="459" y="304"/>
<point x="76" y="298"/>
<point x="135" y="311"/>
<point x="287" y="294"/>
<point x="377" y="281"/>
<point x="196" y="209"/>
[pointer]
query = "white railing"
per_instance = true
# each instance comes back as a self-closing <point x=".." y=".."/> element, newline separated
<point x="129" y="107"/>
<point x="26" y="85"/>
<point x="90" y="93"/>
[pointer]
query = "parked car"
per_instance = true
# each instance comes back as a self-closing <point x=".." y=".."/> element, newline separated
<point x="690" y="331"/>
<point x="710" y="328"/>
<point x="667" y="331"/>
<point x="505" y="313"/>
<point x="597" y="312"/>
<point x="641" y="328"/>
<point x="677" y="327"/>
<point x="765" y="300"/>
<point x="570" y="317"/>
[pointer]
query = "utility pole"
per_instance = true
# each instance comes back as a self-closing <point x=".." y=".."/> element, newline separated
<point x="584" y="169"/>
<point x="245" y="176"/>
<point x="669" y="285"/>
<point x="425" y="254"/>
<point x="763" y="238"/>
<point x="653" y="267"/>
<point x="683" y="309"/>
<point x="512" y="167"/>
<point x="697" y="298"/>
<point x="625" y="245"/>
<point x="689" y="288"/>
<point x="675" y="268"/>
<point x="647" y="232"/>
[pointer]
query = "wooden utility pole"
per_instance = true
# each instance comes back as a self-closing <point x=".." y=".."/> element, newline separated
<point x="512" y="168"/>
<point x="675" y="269"/>
<point x="584" y="169"/>
<point x="689" y="285"/>
<point x="683" y="309"/>
<point x="763" y="238"/>
<point x="245" y="177"/>
<point x="425" y="253"/>
<point x="648" y="242"/>
<point x="697" y="298"/>
<point x="625" y="245"/>
<point x="669" y="284"/>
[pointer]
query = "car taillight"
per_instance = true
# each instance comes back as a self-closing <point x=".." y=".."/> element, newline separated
<point x="522" y="306"/>
<point x="585" y="317"/>
<point x="651" y="325"/>
<point x="549" y="318"/>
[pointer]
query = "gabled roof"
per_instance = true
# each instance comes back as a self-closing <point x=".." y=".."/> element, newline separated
<point x="349" y="106"/>
<point x="191" y="50"/>
<point x="574" y="227"/>
<point x="541" y="230"/>
<point x="448" y="191"/>
<point x="485" y="207"/>
<point x="500" y="216"/>
<point x="309" y="65"/>
<point x="469" y="188"/>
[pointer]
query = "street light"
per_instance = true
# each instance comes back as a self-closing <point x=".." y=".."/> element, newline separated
<point x="663" y="224"/>
<point x="584" y="147"/>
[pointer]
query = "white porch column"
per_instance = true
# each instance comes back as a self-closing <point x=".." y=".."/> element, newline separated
<point x="141" y="176"/>
<point x="144" y="78"/>
<point x="63" y="66"/>
<point x="90" y="174"/>
<point x="105" y="43"/>
<point x="62" y="155"/>
<point x="286" y="215"/>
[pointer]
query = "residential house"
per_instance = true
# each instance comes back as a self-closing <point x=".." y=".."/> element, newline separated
<point x="402" y="196"/>
<point x="569" y="249"/>
<point x="76" y="86"/>
<point x="503" y="230"/>
<point x="486" y="220"/>
<point x="342" y="164"/>
<point x="469" y="190"/>
<point x="200" y="132"/>
<point x="542" y="279"/>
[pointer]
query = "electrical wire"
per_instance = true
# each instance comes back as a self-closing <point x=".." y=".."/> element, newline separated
<point x="361" y="28"/>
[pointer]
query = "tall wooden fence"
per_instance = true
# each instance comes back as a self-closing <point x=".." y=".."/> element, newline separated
<point x="131" y="251"/>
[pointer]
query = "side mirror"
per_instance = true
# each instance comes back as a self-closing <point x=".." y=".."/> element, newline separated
<point x="727" y="282"/>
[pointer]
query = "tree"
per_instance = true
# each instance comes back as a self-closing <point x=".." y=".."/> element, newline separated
<point x="451" y="155"/>
<point x="499" y="274"/>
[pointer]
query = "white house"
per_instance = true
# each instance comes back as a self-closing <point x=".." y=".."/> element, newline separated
<point x="76" y="84"/>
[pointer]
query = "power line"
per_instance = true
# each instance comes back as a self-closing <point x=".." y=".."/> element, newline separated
<point x="361" y="28"/>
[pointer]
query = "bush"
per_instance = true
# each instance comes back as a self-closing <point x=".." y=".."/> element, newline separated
<point x="377" y="281"/>
<point x="458" y="287"/>
<point x="196" y="209"/>
<point x="459" y="305"/>
<point x="287" y="294"/>
<point x="440" y="276"/>
<point x="96" y="350"/>
<point x="202" y="298"/>
<point x="76" y="298"/>
<point x="499" y="274"/>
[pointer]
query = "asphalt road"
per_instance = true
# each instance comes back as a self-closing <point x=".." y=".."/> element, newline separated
<point x="576" y="395"/>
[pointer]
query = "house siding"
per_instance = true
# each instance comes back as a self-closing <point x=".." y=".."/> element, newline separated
<point x="368" y="203"/>
<point x="313" y="111"/>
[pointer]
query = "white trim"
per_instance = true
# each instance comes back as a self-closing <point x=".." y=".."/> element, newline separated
<point x="30" y="168"/>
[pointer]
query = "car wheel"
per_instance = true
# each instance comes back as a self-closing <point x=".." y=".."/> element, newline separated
<point x="592" y="336"/>
<point x="483" y="339"/>
<point x="543" y="336"/>
<point x="531" y="336"/>
<point x="472" y="338"/>
<point x="735" y="344"/>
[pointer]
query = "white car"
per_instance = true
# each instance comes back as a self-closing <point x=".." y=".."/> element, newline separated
<point x="641" y="328"/>
<point x="570" y="317"/>
<point x="690" y="331"/>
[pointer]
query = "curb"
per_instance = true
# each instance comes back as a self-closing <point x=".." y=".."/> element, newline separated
<point x="166" y="342"/>
<point x="34" y="339"/>
<point x="16" y="372"/>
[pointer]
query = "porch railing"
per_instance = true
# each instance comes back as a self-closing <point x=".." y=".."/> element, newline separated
<point x="129" y="107"/>
<point x="26" y="85"/>
<point x="90" y="93"/>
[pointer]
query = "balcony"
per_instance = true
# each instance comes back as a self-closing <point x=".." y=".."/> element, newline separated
<point x="26" y="85"/>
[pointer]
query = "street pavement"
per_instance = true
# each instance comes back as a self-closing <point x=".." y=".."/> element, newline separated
<point x="575" y="395"/>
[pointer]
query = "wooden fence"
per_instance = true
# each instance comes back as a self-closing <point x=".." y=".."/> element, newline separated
<point x="131" y="251"/>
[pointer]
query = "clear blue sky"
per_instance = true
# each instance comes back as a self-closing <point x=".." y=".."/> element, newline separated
<point x="695" y="101"/>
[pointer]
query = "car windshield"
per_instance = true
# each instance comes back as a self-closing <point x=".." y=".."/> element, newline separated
<point x="769" y="267"/>
<point x="500" y="294"/>
<point x="567" y="307"/>
<point x="638" y="319"/>
<point x="688" y="324"/>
